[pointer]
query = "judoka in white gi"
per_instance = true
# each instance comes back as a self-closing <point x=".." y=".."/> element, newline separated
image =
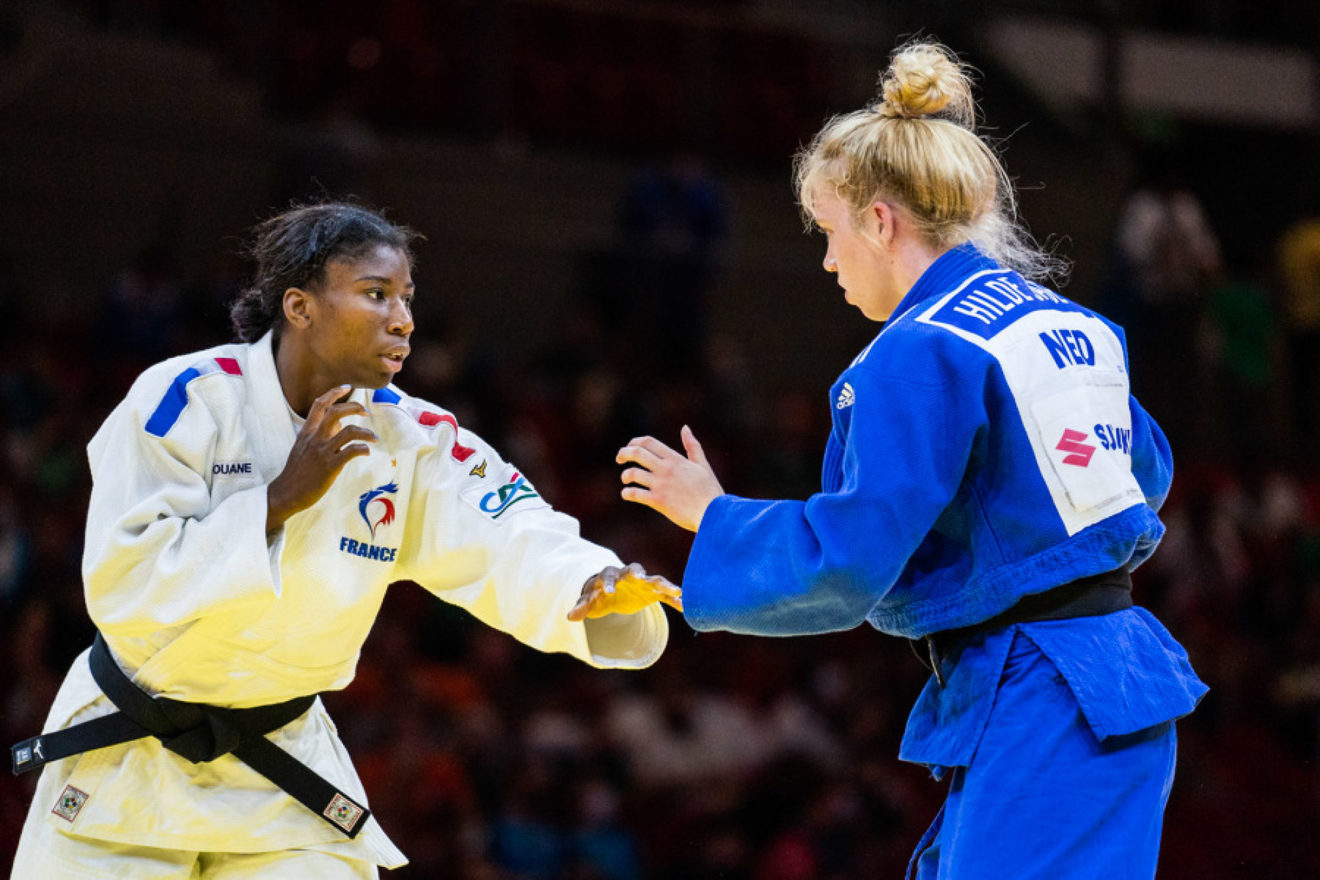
<point x="251" y="504"/>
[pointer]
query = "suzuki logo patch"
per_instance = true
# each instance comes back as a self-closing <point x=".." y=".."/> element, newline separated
<point x="1079" y="453"/>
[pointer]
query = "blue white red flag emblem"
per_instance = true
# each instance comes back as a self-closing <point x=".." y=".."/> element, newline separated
<point x="383" y="513"/>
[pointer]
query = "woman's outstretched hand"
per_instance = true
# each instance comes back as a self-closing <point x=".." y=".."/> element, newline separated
<point x="617" y="590"/>
<point x="680" y="487"/>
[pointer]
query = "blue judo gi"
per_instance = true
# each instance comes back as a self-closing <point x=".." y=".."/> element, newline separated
<point x="985" y="447"/>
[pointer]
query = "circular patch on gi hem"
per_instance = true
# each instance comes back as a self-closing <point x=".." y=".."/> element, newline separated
<point x="343" y="812"/>
<point x="70" y="801"/>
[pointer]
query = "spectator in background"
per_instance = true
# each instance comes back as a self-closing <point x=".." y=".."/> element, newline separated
<point x="670" y="227"/>
<point x="1169" y="257"/>
<point x="143" y="303"/>
<point x="1299" y="277"/>
<point x="1245" y="343"/>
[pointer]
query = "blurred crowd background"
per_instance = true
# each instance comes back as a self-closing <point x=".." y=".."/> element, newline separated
<point x="612" y="249"/>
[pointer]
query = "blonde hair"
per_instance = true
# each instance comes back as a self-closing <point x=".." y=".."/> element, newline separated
<point x="916" y="145"/>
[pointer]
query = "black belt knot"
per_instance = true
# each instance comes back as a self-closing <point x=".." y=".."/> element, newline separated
<point x="199" y="733"/>
<point x="205" y="732"/>
<point x="1085" y="597"/>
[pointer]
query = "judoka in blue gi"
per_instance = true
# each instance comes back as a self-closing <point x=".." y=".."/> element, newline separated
<point x="988" y="486"/>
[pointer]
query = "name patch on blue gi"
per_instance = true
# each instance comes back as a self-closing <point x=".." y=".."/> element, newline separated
<point x="367" y="551"/>
<point x="1069" y="348"/>
<point x="993" y="304"/>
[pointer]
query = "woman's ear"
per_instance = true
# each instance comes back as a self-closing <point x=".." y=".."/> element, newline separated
<point x="882" y="220"/>
<point x="297" y="307"/>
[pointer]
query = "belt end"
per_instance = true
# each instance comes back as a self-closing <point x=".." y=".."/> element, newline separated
<point x="346" y="814"/>
<point x="27" y="755"/>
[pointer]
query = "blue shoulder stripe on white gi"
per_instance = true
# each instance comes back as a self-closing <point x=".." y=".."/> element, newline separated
<point x="1066" y="370"/>
<point x="171" y="406"/>
<point x="385" y="395"/>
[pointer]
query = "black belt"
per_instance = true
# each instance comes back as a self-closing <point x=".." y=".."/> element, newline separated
<point x="1085" y="597"/>
<point x="199" y="733"/>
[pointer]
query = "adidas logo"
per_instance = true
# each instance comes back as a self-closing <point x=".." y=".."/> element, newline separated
<point x="846" y="397"/>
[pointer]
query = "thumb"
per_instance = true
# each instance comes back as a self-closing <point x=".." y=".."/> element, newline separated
<point x="692" y="447"/>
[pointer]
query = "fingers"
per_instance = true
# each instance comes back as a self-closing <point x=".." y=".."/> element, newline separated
<point x="623" y="591"/>
<point x="351" y="433"/>
<point x="656" y="584"/>
<point x="692" y="447"/>
<point x="639" y="495"/>
<point x="646" y="451"/>
<point x="322" y="426"/>
<point x="670" y="594"/>
<point x="340" y="411"/>
<point x="587" y="598"/>
<point x="327" y="410"/>
<point x="339" y="392"/>
<point x="325" y="401"/>
<point x="652" y="455"/>
<point x="636" y="476"/>
<point x="580" y="609"/>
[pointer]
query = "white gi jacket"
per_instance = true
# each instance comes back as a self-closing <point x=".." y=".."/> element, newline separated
<point x="196" y="604"/>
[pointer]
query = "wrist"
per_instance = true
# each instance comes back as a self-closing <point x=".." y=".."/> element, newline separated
<point x="276" y="513"/>
<point x="701" y="513"/>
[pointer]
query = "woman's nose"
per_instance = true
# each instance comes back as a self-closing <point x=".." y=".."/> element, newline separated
<point x="401" y="318"/>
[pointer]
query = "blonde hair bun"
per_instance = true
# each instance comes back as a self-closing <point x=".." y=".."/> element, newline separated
<point x="924" y="79"/>
<point x="916" y="146"/>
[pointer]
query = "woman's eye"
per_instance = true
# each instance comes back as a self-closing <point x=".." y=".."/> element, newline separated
<point x="376" y="293"/>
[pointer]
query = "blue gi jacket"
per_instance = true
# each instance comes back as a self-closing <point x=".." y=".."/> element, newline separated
<point x="984" y="446"/>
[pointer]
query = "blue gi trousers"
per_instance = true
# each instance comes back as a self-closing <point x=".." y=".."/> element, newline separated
<point x="1042" y="798"/>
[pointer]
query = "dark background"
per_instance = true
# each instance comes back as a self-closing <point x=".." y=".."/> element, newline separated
<point x="613" y="248"/>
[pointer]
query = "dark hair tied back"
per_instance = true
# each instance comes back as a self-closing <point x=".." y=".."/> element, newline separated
<point x="292" y="249"/>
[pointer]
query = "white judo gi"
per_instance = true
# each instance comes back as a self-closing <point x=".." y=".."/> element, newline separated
<point x="197" y="604"/>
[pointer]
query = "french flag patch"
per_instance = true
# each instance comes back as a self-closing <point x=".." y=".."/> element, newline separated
<point x="171" y="406"/>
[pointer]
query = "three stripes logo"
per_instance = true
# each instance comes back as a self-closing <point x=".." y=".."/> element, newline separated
<point x="1079" y="453"/>
<point x="846" y="397"/>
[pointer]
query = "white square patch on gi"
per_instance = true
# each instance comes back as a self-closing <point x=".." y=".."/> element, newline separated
<point x="70" y="802"/>
<point x="343" y="812"/>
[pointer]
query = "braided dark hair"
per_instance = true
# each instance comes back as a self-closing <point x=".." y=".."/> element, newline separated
<point x="292" y="249"/>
